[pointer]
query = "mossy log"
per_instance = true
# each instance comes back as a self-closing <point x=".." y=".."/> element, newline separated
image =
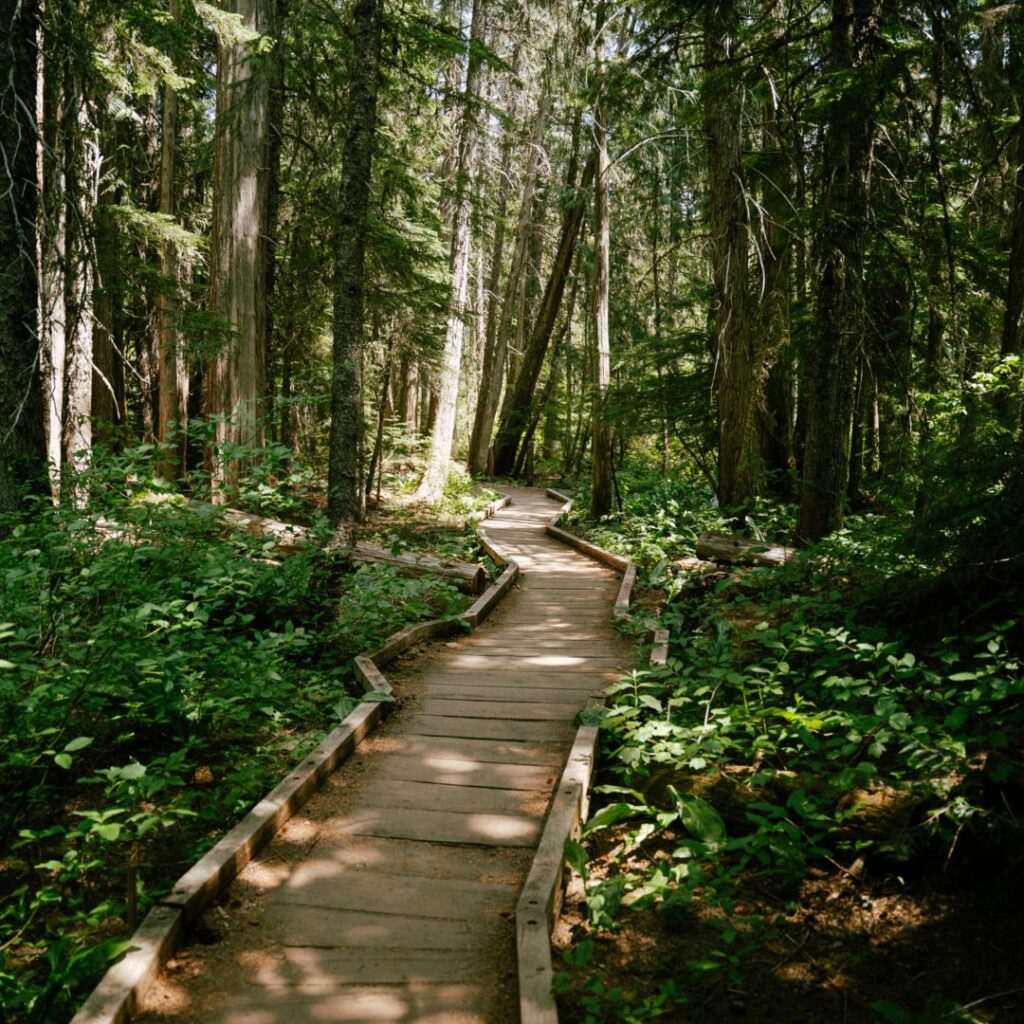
<point x="721" y="547"/>
<point x="289" y="538"/>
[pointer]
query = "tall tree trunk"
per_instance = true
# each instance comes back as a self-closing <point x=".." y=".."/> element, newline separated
<point x="736" y="370"/>
<point x="22" y="443"/>
<point x="516" y="415"/>
<point x="837" y="334"/>
<point x="173" y="381"/>
<point x="601" y="442"/>
<point x="51" y="237"/>
<point x="775" y="398"/>
<point x="233" y="385"/>
<point x="275" y="143"/>
<point x="345" y="496"/>
<point x="432" y="485"/>
<point x="496" y="351"/>
<point x="1012" y="339"/>
<point x="82" y="177"/>
<point x="108" y="368"/>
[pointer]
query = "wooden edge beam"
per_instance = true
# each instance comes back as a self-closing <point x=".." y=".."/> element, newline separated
<point x="541" y="898"/>
<point x="659" y="652"/>
<point x="116" y="998"/>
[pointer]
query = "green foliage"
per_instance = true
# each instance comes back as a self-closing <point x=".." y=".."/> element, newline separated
<point x="158" y="672"/>
<point x="788" y="708"/>
<point x="661" y="518"/>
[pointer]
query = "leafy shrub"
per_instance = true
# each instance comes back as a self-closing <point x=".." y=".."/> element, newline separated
<point x="157" y="674"/>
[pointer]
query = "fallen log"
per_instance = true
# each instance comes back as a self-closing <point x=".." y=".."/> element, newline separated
<point x="288" y="539"/>
<point x="722" y="547"/>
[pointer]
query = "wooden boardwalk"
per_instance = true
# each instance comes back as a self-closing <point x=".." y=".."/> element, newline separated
<point x="390" y="896"/>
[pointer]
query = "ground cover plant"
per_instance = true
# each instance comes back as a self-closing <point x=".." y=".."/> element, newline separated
<point x="814" y="789"/>
<point x="159" y="672"/>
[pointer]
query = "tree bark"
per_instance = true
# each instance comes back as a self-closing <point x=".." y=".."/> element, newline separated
<point x="601" y="434"/>
<point x="432" y="485"/>
<point x="736" y="371"/>
<point x="345" y="496"/>
<point x="233" y="384"/>
<point x="496" y="351"/>
<point x="837" y="334"/>
<point x="22" y="444"/>
<point x="173" y="381"/>
<point x="408" y="395"/>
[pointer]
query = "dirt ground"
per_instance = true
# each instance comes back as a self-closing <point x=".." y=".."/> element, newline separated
<point x="830" y="948"/>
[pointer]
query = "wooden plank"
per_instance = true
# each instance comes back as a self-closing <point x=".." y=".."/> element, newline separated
<point x="317" y="927"/>
<point x="502" y="641"/>
<point x="448" y="827"/>
<point x="486" y="728"/>
<point x="442" y="898"/>
<point x="486" y="751"/>
<point x="382" y="792"/>
<point x="525" y="676"/>
<point x="303" y="970"/>
<point x="485" y="659"/>
<point x="565" y="699"/>
<point x="523" y="710"/>
<point x="463" y="771"/>
<point x="354" y="853"/>
<point x="362" y="1004"/>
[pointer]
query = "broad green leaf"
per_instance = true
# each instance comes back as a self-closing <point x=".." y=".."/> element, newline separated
<point x="701" y="819"/>
<point x="611" y="815"/>
<point x="576" y="857"/>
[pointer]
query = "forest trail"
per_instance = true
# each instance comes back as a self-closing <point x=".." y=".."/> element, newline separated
<point x="390" y="896"/>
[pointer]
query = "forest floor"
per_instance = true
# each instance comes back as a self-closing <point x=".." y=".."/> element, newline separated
<point x="823" y="951"/>
<point x="813" y="813"/>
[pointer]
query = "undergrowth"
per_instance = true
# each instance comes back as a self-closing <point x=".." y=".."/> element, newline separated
<point x="795" y="724"/>
<point x="158" y="673"/>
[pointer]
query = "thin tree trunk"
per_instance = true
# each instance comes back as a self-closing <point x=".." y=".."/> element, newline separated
<point x="51" y="238"/>
<point x="82" y="179"/>
<point x="516" y="416"/>
<point x="275" y="142"/>
<point x="173" y="379"/>
<point x="22" y="442"/>
<point x="601" y="443"/>
<point x="494" y="370"/>
<point x="345" y="496"/>
<point x="432" y="485"/>
<point x="377" y="455"/>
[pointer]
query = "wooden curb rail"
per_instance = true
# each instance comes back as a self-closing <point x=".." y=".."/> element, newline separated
<point x="541" y="898"/>
<point x="120" y="990"/>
